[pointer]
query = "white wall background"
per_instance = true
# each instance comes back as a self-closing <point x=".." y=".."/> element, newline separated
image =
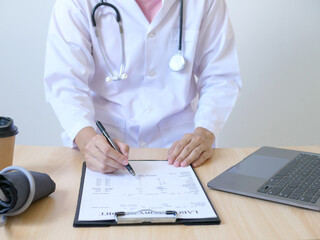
<point x="279" y="53"/>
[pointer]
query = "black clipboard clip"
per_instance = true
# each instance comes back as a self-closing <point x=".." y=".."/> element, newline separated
<point x="146" y="216"/>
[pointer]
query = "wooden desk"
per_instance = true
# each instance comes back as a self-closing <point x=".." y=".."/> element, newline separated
<point x="242" y="217"/>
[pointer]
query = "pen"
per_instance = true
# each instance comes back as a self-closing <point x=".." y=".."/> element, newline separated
<point x="107" y="136"/>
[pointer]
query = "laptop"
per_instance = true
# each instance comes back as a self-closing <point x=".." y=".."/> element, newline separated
<point x="275" y="174"/>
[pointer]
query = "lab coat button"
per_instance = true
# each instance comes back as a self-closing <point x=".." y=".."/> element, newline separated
<point x="143" y="144"/>
<point x="151" y="35"/>
<point x="151" y="109"/>
<point x="152" y="73"/>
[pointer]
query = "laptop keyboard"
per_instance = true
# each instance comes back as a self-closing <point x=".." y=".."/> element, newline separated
<point x="298" y="180"/>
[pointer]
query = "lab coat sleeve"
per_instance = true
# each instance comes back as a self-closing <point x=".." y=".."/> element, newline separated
<point x="69" y="67"/>
<point x="216" y="66"/>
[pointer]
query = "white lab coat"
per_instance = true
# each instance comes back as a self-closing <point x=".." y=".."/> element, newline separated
<point x="154" y="106"/>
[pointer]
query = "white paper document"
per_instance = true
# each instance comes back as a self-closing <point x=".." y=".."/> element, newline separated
<point x="157" y="186"/>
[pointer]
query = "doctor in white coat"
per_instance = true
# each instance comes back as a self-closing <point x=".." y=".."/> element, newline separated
<point x="153" y="106"/>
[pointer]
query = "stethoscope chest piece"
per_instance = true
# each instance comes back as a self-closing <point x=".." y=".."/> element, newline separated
<point x="177" y="62"/>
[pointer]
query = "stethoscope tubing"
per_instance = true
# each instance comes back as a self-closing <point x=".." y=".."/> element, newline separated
<point x="121" y="75"/>
<point x="102" y="3"/>
<point x="181" y="26"/>
<point x="176" y="63"/>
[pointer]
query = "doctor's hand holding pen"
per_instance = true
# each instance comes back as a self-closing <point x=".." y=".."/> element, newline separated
<point x="99" y="155"/>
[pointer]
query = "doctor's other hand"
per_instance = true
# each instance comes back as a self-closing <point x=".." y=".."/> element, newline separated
<point x="194" y="148"/>
<point x="98" y="153"/>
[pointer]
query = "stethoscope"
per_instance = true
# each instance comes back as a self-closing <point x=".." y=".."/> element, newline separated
<point x="177" y="62"/>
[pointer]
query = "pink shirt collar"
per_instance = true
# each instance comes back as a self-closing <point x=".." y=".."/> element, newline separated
<point x="150" y="8"/>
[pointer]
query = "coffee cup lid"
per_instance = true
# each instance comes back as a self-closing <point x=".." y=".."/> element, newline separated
<point x="7" y="127"/>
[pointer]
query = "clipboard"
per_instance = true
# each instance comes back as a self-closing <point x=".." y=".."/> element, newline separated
<point x="147" y="216"/>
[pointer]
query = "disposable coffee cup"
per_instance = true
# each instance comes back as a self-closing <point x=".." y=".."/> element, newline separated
<point x="8" y="132"/>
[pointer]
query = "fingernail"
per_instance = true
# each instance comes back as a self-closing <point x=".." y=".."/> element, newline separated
<point x="176" y="164"/>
